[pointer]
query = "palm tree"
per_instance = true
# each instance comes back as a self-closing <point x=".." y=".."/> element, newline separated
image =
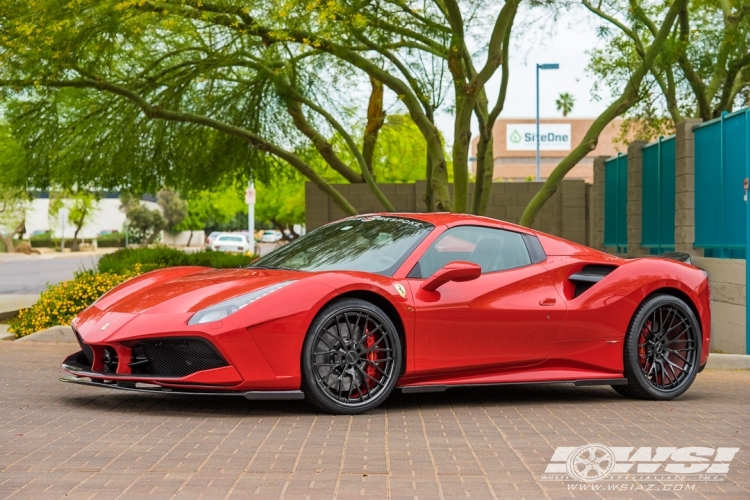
<point x="565" y="103"/>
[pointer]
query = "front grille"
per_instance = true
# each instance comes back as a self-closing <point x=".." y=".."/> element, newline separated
<point x="175" y="357"/>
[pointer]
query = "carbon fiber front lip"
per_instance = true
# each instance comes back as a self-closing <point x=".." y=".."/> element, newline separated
<point x="154" y="389"/>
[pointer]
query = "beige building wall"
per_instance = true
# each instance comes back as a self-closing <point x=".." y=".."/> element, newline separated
<point x="520" y="165"/>
<point x="564" y="215"/>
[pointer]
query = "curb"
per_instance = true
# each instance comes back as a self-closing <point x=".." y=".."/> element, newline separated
<point x="4" y="335"/>
<point x="728" y="362"/>
<point x="59" y="334"/>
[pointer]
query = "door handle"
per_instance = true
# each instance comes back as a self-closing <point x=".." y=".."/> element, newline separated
<point x="548" y="302"/>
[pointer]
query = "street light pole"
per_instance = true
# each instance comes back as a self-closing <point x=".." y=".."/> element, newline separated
<point x="538" y="158"/>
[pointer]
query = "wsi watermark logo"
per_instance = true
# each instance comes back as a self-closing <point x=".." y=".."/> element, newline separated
<point x="591" y="463"/>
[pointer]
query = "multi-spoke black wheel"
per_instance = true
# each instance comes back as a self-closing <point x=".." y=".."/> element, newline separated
<point x="662" y="349"/>
<point x="351" y="358"/>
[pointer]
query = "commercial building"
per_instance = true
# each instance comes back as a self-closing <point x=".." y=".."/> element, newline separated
<point x="514" y="150"/>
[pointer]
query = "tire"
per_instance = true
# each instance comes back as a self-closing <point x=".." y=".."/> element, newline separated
<point x="351" y="358"/>
<point x="662" y="349"/>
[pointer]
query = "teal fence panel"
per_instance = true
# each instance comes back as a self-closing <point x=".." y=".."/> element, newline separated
<point x="722" y="163"/>
<point x="658" y="196"/>
<point x="615" y="203"/>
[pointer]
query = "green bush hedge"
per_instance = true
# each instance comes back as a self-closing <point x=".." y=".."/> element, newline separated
<point x="125" y="259"/>
<point x="60" y="303"/>
<point x="113" y="240"/>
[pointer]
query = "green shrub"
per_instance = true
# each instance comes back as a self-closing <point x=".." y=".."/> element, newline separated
<point x="60" y="303"/>
<point x="152" y="258"/>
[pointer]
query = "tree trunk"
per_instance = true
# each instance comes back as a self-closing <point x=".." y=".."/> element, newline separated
<point x="627" y="100"/>
<point x="8" y="242"/>
<point x="375" y="120"/>
<point x="190" y="238"/>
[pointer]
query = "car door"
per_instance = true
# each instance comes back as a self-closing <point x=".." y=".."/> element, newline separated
<point x="508" y="317"/>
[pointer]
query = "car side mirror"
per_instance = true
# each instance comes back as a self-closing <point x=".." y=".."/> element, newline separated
<point x="454" y="271"/>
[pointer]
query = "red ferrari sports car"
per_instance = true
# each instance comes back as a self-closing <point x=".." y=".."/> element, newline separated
<point x="422" y="302"/>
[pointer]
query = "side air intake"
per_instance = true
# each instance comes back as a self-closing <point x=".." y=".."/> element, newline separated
<point x="589" y="276"/>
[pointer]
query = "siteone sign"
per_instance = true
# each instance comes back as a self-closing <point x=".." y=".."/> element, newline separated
<point x="552" y="137"/>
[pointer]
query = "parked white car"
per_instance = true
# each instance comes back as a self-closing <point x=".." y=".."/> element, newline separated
<point x="270" y="236"/>
<point x="231" y="242"/>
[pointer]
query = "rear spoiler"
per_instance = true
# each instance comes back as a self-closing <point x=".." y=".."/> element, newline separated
<point x="682" y="257"/>
<point x="678" y="256"/>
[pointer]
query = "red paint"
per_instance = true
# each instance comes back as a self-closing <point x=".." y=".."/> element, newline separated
<point x="518" y="325"/>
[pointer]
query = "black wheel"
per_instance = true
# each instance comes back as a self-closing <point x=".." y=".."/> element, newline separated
<point x="351" y="359"/>
<point x="662" y="349"/>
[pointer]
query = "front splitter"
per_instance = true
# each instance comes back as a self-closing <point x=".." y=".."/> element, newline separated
<point x="155" y="389"/>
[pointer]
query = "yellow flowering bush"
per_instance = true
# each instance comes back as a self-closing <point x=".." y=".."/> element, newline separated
<point x="60" y="303"/>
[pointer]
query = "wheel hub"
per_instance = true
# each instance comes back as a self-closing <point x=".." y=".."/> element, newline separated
<point x="351" y="357"/>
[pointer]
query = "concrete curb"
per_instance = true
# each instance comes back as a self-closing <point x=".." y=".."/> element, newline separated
<point x="59" y="334"/>
<point x="4" y="335"/>
<point x="728" y="362"/>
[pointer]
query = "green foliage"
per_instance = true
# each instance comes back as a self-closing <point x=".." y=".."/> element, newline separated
<point x="81" y="207"/>
<point x="144" y="224"/>
<point x="174" y="208"/>
<point x="219" y="209"/>
<point x="60" y="303"/>
<point x="148" y="259"/>
<point x="564" y="103"/>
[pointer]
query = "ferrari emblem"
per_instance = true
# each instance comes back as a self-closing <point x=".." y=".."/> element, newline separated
<point x="105" y="326"/>
<point x="401" y="290"/>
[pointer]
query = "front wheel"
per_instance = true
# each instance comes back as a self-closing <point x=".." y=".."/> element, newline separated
<point x="662" y="349"/>
<point x="351" y="359"/>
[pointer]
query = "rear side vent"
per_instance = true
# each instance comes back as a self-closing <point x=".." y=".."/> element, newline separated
<point x="589" y="276"/>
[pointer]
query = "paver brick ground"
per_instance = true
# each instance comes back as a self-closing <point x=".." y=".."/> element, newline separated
<point x="65" y="441"/>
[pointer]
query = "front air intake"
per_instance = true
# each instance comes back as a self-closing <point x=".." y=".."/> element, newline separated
<point x="178" y="357"/>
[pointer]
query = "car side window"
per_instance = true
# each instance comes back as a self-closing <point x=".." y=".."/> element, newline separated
<point x="492" y="249"/>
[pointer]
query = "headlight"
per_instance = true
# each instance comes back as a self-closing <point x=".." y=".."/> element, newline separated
<point x="231" y="306"/>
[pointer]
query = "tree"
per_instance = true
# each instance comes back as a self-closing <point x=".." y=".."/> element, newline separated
<point x="145" y="224"/>
<point x="81" y="205"/>
<point x="281" y="204"/>
<point x="235" y="90"/>
<point x="13" y="200"/>
<point x="173" y="207"/>
<point x="13" y="206"/>
<point x="215" y="210"/>
<point x="702" y="70"/>
<point x="565" y="103"/>
<point x="627" y="97"/>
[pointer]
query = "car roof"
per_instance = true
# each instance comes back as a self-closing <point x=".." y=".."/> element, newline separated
<point x="452" y="219"/>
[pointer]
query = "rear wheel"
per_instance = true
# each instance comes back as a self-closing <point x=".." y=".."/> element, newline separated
<point x="662" y="349"/>
<point x="351" y="359"/>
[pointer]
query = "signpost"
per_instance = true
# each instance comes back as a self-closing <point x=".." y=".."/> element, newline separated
<point x="538" y="161"/>
<point x="63" y="217"/>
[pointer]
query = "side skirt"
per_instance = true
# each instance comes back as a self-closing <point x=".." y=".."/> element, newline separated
<point x="416" y="389"/>
<point x="156" y="389"/>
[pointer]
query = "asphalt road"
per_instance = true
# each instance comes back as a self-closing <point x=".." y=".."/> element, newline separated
<point x="31" y="274"/>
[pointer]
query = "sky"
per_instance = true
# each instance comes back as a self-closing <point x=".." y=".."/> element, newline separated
<point x="567" y="46"/>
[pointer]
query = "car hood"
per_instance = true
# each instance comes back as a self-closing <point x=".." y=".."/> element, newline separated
<point x="187" y="289"/>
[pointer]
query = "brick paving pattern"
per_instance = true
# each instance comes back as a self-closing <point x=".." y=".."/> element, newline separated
<point x="59" y="440"/>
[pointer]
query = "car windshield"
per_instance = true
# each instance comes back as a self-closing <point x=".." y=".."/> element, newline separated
<point x="373" y="244"/>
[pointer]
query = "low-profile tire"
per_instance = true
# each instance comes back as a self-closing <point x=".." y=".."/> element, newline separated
<point x="662" y="349"/>
<point x="351" y="358"/>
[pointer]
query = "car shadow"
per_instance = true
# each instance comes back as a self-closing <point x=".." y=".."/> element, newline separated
<point x="479" y="396"/>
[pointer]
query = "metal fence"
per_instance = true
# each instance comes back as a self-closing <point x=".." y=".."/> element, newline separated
<point x="722" y="163"/>
<point x="615" y="203"/>
<point x="658" y="196"/>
